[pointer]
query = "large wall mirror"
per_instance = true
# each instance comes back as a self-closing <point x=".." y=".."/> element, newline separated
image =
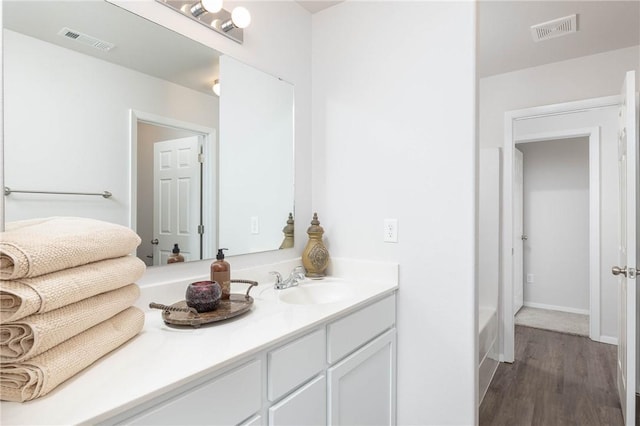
<point x="99" y="99"/>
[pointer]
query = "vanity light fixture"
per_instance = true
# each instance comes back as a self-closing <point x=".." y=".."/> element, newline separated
<point x="211" y="14"/>
<point x="216" y="87"/>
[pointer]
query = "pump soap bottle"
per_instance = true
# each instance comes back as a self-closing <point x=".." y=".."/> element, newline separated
<point x="221" y="273"/>
<point x="176" y="256"/>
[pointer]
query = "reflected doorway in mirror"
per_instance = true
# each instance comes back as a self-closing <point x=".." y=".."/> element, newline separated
<point x="174" y="176"/>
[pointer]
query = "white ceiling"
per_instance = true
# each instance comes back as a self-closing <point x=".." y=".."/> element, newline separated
<point x="140" y="44"/>
<point x="504" y="37"/>
<point x="314" y="6"/>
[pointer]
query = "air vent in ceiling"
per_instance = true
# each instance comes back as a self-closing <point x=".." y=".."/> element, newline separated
<point x="556" y="28"/>
<point x="86" y="39"/>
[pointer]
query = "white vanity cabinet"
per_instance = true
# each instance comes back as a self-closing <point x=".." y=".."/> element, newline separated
<point x="228" y="399"/>
<point x="358" y="384"/>
<point x="306" y="406"/>
<point x="361" y="386"/>
<point x="341" y="372"/>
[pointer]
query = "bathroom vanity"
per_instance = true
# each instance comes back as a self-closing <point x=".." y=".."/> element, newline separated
<point x="320" y="353"/>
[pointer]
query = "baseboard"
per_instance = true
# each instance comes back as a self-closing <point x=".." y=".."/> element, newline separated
<point x="609" y="340"/>
<point x="557" y="308"/>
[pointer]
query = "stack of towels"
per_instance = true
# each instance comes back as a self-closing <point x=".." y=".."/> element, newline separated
<point x="66" y="295"/>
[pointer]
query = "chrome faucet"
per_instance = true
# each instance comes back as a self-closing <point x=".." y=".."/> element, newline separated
<point x="294" y="278"/>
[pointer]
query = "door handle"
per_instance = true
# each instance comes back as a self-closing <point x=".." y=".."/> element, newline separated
<point x="524" y="237"/>
<point x="155" y="241"/>
<point x="627" y="272"/>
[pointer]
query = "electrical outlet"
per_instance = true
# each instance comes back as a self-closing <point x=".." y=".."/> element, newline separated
<point x="529" y="278"/>
<point x="255" y="225"/>
<point x="390" y="231"/>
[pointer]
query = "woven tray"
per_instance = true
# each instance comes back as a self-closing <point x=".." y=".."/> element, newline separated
<point x="180" y="314"/>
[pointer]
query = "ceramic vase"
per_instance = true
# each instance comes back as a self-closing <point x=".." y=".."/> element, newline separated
<point x="315" y="257"/>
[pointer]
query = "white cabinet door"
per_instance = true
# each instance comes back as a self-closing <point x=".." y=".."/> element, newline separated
<point x="305" y="407"/>
<point x="362" y="388"/>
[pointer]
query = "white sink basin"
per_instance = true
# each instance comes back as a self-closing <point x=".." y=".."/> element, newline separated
<point x="312" y="293"/>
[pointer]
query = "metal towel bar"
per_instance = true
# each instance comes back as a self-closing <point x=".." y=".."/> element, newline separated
<point x="105" y="194"/>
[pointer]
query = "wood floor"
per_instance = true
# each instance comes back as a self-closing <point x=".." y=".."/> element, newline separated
<point x="556" y="379"/>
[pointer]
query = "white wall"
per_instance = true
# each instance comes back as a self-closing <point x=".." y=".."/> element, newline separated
<point x="489" y="178"/>
<point x="38" y="104"/>
<point x="393" y="137"/>
<point x="256" y="152"/>
<point x="575" y="79"/>
<point x="556" y="221"/>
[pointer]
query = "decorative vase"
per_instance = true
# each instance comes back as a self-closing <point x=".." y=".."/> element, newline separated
<point x="203" y="296"/>
<point x="315" y="256"/>
<point x="288" y="231"/>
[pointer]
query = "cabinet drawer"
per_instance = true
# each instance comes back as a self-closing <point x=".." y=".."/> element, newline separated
<point x="225" y="400"/>
<point x="306" y="406"/>
<point x="253" y="421"/>
<point x="351" y="332"/>
<point x="294" y="363"/>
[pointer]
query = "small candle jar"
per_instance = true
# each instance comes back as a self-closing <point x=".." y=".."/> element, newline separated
<point x="203" y="296"/>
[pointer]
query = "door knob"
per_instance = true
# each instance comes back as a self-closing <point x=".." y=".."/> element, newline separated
<point x="627" y="272"/>
<point x="616" y="270"/>
<point x="524" y="237"/>
<point x="155" y="241"/>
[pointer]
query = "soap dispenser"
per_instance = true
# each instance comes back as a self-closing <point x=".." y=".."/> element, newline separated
<point x="176" y="256"/>
<point x="221" y="273"/>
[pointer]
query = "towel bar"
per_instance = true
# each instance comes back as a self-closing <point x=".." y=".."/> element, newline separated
<point x="105" y="194"/>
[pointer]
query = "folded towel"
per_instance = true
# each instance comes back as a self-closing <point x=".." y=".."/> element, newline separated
<point x="38" y="333"/>
<point x="21" y="298"/>
<point x="38" y="376"/>
<point x="35" y="247"/>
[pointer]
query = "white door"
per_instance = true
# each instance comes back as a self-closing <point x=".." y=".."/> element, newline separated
<point x="176" y="195"/>
<point x="518" y="231"/>
<point x="627" y="163"/>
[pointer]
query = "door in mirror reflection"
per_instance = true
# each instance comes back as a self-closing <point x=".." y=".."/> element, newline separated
<point x="177" y="191"/>
<point x="174" y="191"/>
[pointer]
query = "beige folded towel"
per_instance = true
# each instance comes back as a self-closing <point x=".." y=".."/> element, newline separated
<point x="38" y="333"/>
<point x="38" y="376"/>
<point x="21" y="298"/>
<point x="36" y="247"/>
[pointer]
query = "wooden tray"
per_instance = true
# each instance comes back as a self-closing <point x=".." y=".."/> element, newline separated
<point x="180" y="314"/>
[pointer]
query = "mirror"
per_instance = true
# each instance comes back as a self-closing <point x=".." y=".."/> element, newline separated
<point x="83" y="116"/>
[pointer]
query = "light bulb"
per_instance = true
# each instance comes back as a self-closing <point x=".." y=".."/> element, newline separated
<point x="204" y="6"/>
<point x="241" y="17"/>
<point x="216" y="87"/>
<point x="212" y="6"/>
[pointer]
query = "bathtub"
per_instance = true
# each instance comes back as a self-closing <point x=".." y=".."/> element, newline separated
<point x="488" y="347"/>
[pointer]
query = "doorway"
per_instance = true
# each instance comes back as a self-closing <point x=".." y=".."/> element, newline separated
<point x="554" y="213"/>
<point x="595" y="119"/>
<point x="196" y="233"/>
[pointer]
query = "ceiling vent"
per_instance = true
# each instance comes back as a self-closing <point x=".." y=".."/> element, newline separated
<point x="556" y="28"/>
<point x="86" y="39"/>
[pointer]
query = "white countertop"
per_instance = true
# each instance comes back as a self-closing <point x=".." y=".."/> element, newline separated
<point x="162" y="358"/>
